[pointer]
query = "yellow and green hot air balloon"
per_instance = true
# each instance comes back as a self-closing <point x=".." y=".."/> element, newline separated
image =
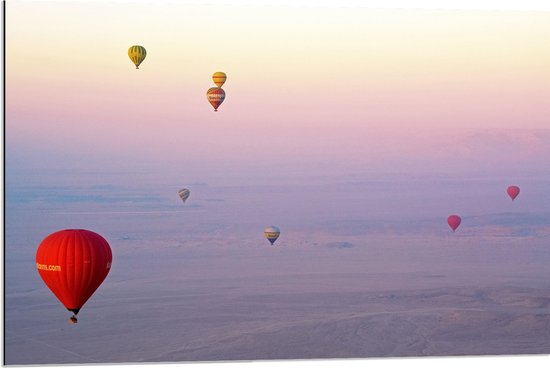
<point x="219" y="78"/>
<point x="137" y="54"/>
<point x="272" y="233"/>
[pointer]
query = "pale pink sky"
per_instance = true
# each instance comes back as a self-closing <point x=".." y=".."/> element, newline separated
<point x="346" y="87"/>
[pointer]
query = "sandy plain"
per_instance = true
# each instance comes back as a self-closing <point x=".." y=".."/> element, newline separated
<point x="362" y="269"/>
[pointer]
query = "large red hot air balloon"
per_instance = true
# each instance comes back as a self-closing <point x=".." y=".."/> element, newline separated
<point x="454" y="221"/>
<point x="73" y="263"/>
<point x="512" y="191"/>
<point x="215" y="96"/>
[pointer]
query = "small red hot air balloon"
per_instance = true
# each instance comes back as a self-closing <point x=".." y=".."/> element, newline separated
<point x="215" y="96"/>
<point x="512" y="191"/>
<point x="454" y="221"/>
<point x="73" y="263"/>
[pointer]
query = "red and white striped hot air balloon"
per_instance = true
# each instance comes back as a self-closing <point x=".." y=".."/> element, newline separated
<point x="215" y="96"/>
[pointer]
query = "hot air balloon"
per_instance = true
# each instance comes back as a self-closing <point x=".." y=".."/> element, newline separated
<point x="454" y="221"/>
<point x="219" y="78"/>
<point x="272" y="233"/>
<point x="137" y="54"/>
<point x="73" y="263"/>
<point x="184" y="194"/>
<point x="215" y="96"/>
<point x="512" y="191"/>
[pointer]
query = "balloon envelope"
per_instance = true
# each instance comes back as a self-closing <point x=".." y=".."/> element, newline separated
<point x="454" y="221"/>
<point x="272" y="233"/>
<point x="215" y="96"/>
<point x="137" y="54"/>
<point x="219" y="78"/>
<point x="512" y="191"/>
<point x="73" y="263"/>
<point x="184" y="194"/>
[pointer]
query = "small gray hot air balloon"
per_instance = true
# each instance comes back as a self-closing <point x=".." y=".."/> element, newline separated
<point x="184" y="194"/>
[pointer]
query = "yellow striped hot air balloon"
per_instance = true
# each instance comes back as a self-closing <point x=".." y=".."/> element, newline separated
<point x="137" y="54"/>
<point x="272" y="233"/>
<point x="219" y="78"/>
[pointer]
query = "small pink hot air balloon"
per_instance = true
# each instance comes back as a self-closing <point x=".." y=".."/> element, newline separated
<point x="454" y="221"/>
<point x="512" y="191"/>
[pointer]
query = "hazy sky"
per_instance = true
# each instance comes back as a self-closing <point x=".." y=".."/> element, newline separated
<point x="308" y="88"/>
<point x="316" y="92"/>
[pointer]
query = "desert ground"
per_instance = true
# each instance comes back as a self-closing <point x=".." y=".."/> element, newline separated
<point x="365" y="268"/>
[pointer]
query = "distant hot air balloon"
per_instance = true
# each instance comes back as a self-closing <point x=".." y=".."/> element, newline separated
<point x="73" y="263"/>
<point x="512" y="191"/>
<point x="272" y="233"/>
<point x="454" y="221"/>
<point x="219" y="78"/>
<point x="215" y="96"/>
<point x="184" y="194"/>
<point x="137" y="54"/>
